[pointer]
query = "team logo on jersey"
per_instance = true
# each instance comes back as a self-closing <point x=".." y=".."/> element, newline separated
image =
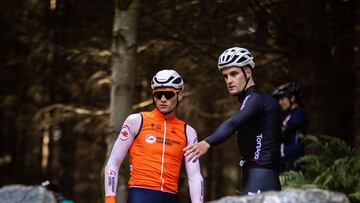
<point x="125" y="133"/>
<point x="168" y="142"/>
<point x="111" y="173"/>
<point x="111" y="180"/>
<point x="286" y="120"/>
<point x="258" y="147"/>
<point x="151" y="139"/>
<point x="155" y="126"/>
<point x="195" y="140"/>
<point x="244" y="102"/>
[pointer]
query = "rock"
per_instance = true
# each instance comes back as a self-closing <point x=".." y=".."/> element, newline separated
<point x="25" y="194"/>
<point x="289" y="196"/>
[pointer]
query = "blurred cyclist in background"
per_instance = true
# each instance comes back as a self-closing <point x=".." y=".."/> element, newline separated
<point x="294" y="125"/>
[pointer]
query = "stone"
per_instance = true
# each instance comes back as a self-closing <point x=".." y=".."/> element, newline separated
<point x="289" y="196"/>
<point x="28" y="194"/>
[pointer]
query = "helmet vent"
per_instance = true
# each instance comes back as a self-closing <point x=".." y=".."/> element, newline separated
<point x="177" y="81"/>
<point x="163" y="82"/>
<point x="242" y="59"/>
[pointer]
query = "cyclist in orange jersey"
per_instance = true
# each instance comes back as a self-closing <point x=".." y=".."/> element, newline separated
<point x="155" y="142"/>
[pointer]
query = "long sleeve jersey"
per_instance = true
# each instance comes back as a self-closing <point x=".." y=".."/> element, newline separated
<point x="257" y="126"/>
<point x="155" y="145"/>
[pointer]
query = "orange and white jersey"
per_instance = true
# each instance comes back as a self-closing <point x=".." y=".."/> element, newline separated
<point x="155" y="145"/>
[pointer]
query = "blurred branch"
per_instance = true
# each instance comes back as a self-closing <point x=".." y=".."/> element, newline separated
<point x="214" y="115"/>
<point x="5" y="160"/>
<point x="275" y="21"/>
<point x="179" y="36"/>
<point x="62" y="112"/>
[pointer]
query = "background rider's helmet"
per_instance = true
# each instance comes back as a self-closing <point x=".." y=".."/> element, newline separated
<point x="287" y="90"/>
<point x="235" y="56"/>
<point x="50" y="186"/>
<point x="167" y="78"/>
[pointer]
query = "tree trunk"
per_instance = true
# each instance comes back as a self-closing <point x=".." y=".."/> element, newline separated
<point x="123" y="69"/>
<point x="321" y="58"/>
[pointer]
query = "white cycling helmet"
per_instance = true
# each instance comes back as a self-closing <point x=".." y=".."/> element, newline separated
<point x="167" y="78"/>
<point x="235" y="56"/>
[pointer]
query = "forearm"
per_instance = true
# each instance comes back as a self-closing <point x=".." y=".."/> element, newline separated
<point x="222" y="133"/>
<point x="195" y="182"/>
<point x="250" y="107"/>
<point x="196" y="187"/>
<point x="111" y="175"/>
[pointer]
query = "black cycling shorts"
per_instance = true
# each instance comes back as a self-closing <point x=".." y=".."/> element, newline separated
<point x="143" y="195"/>
<point x="256" y="180"/>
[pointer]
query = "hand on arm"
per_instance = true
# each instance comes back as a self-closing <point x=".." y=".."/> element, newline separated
<point x="195" y="151"/>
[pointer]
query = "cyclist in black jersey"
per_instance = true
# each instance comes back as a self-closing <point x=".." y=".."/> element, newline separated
<point x="257" y="125"/>
<point x="294" y="124"/>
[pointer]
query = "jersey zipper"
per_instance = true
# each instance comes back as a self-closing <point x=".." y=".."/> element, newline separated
<point x="163" y="158"/>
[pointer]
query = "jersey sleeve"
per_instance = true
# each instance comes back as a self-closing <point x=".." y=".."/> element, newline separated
<point x="195" y="179"/>
<point x="250" y="107"/>
<point x="121" y="147"/>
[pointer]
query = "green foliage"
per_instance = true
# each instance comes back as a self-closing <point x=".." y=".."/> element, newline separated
<point x="315" y="164"/>
<point x="355" y="197"/>
<point x="295" y="179"/>
<point x="332" y="165"/>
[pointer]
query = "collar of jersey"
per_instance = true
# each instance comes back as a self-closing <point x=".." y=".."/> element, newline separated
<point x="161" y="115"/>
<point x="246" y="92"/>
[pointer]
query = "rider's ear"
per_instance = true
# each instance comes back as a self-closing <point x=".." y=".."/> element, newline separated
<point x="248" y="72"/>
<point x="292" y="98"/>
<point x="180" y="94"/>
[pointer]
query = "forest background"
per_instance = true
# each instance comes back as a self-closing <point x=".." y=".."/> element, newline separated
<point x="71" y="71"/>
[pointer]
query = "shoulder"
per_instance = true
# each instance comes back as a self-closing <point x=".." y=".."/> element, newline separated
<point x="131" y="125"/>
<point x="134" y="117"/>
<point x="299" y="112"/>
<point x="179" y="121"/>
<point x="264" y="95"/>
<point x="266" y="102"/>
<point x="191" y="135"/>
<point x="190" y="129"/>
<point x="267" y="99"/>
<point x="134" y="120"/>
<point x="253" y="97"/>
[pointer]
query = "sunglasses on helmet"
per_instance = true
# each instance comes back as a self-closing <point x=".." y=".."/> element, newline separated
<point x="167" y="93"/>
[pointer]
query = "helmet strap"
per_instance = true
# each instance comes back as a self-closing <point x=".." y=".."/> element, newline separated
<point x="246" y="79"/>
